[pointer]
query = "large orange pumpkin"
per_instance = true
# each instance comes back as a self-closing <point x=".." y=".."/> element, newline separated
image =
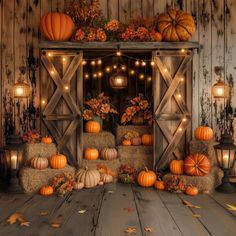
<point x="146" y="178"/>
<point x="176" y="25"/>
<point x="177" y="167"/>
<point x="203" y="133"/>
<point x="92" y="126"/>
<point x="91" y="154"/>
<point x="57" y="26"/>
<point x="197" y="165"/>
<point x="58" y="161"/>
<point x="46" y="190"/>
<point x="147" y="139"/>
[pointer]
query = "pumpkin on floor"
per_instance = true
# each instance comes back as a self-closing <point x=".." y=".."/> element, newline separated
<point x="126" y="142"/>
<point x="203" y="133"/>
<point x="105" y="178"/>
<point x="46" y="190"/>
<point x="39" y="163"/>
<point x="177" y="167"/>
<point x="92" y="126"/>
<point x="89" y="177"/>
<point x="147" y="139"/>
<point x="191" y="190"/>
<point x="57" y="26"/>
<point x="197" y="165"/>
<point x="91" y="154"/>
<point x="146" y="178"/>
<point x="46" y="140"/>
<point x="58" y="161"/>
<point x="176" y="25"/>
<point x="160" y="185"/>
<point x="108" y="154"/>
<point x="136" y="141"/>
<point x="78" y="185"/>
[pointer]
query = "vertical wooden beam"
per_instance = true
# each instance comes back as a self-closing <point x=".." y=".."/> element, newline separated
<point x="104" y="7"/>
<point x="124" y="10"/>
<point x="159" y="6"/>
<point x="113" y="9"/>
<point x="147" y="8"/>
<point x="136" y="9"/>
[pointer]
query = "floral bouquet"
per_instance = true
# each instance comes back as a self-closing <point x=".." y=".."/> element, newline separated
<point x="175" y="185"/>
<point x="99" y="106"/>
<point x="131" y="134"/>
<point x="63" y="183"/>
<point x="31" y="136"/>
<point x="137" y="105"/>
<point x="127" y="174"/>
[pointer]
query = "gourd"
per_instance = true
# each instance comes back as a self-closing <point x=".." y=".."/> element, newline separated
<point x="46" y="190"/>
<point x="105" y="178"/>
<point x="177" y="167"/>
<point x="203" y="133"/>
<point x="58" y="161"/>
<point x="78" y="185"/>
<point x="39" y="162"/>
<point x="91" y="154"/>
<point x="160" y="185"/>
<point x="191" y="190"/>
<point x="136" y="141"/>
<point x="46" y="140"/>
<point x="126" y="142"/>
<point x="108" y="154"/>
<point x="146" y="178"/>
<point x="89" y="177"/>
<point x="92" y="126"/>
<point x="147" y="139"/>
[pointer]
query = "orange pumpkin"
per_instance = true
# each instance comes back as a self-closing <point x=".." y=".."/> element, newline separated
<point x="146" y="178"/>
<point x="57" y="26"/>
<point x="46" y="190"/>
<point x="191" y="190"/>
<point x="197" y="165"/>
<point x="126" y="142"/>
<point x="91" y="154"/>
<point x="92" y="126"/>
<point x="160" y="185"/>
<point x="147" y="139"/>
<point x="203" y="133"/>
<point x="177" y="167"/>
<point x="176" y="25"/>
<point x="58" y="161"/>
<point x="136" y="141"/>
<point x="46" y="140"/>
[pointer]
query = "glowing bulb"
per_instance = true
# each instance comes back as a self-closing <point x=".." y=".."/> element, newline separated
<point x="180" y="129"/>
<point x="137" y="63"/>
<point x="184" y="119"/>
<point x="182" y="50"/>
<point x="95" y="75"/>
<point x="108" y="69"/>
<point x="100" y="74"/>
<point x="123" y="68"/>
<point x="19" y="91"/>
<point x="179" y="95"/>
<point x="52" y="72"/>
<point x="132" y="72"/>
<point x="115" y="67"/>
<point x="84" y="62"/>
<point x="182" y="79"/>
<point x="220" y="91"/>
<point x="149" y="79"/>
<point x="93" y="63"/>
<point x="165" y="70"/>
<point x="143" y="63"/>
<point x="86" y="76"/>
<point x="63" y="59"/>
<point x="152" y="63"/>
<point x="66" y="87"/>
<point x="49" y="54"/>
<point x="99" y="62"/>
<point x="118" y="53"/>
<point x="43" y="102"/>
<point x="141" y="76"/>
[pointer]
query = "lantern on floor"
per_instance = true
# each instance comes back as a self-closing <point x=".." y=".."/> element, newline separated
<point x="220" y="89"/>
<point x="118" y="80"/>
<point x="13" y="155"/>
<point x="225" y="152"/>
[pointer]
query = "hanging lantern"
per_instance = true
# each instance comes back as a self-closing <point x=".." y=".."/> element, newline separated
<point x="220" y="90"/>
<point x="118" y="81"/>
<point x="21" y="90"/>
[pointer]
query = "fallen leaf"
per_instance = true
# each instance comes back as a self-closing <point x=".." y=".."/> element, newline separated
<point x="25" y="223"/>
<point x="148" y="229"/>
<point x="231" y="207"/>
<point x="130" y="230"/>
<point x="129" y="209"/>
<point x="81" y="211"/>
<point x="44" y="213"/>
<point x="55" y="225"/>
<point x="189" y="204"/>
<point x="197" y="216"/>
<point x="14" y="217"/>
<point x="110" y="191"/>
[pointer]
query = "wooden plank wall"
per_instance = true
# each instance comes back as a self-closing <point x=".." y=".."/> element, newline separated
<point x="216" y="31"/>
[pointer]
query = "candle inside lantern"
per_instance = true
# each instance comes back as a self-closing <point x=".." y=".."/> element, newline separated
<point x="13" y="162"/>
<point x="225" y="161"/>
<point x="19" y="91"/>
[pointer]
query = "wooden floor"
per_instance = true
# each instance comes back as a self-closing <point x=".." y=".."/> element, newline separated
<point x="109" y="210"/>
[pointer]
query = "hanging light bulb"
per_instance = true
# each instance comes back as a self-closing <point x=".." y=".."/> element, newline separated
<point x="180" y="129"/>
<point x="165" y="70"/>
<point x="152" y="63"/>
<point x="132" y="72"/>
<point x="118" y="81"/>
<point x="43" y="102"/>
<point x="66" y="87"/>
<point x="100" y="74"/>
<point x="181" y="79"/>
<point x="137" y="63"/>
<point x="143" y="63"/>
<point x="118" y="53"/>
<point x="52" y="72"/>
<point x="182" y="50"/>
<point x="149" y="79"/>
<point x="141" y="76"/>
<point x="93" y="63"/>
<point x="114" y="66"/>
<point x="95" y="75"/>
<point x="84" y="62"/>
<point x="179" y="95"/>
<point x="123" y="68"/>
<point x="108" y="69"/>
<point x="49" y="54"/>
<point x="86" y="76"/>
<point x="184" y="119"/>
<point x="63" y="59"/>
<point x="99" y="62"/>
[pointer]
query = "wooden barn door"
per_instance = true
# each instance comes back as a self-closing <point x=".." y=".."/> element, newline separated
<point x="172" y="105"/>
<point x="62" y="101"/>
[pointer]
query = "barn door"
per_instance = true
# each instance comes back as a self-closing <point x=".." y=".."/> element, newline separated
<point x="61" y="101"/>
<point x="172" y="105"/>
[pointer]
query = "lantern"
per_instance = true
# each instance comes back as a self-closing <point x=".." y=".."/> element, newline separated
<point x="21" y="90"/>
<point x="118" y="81"/>
<point x="225" y="153"/>
<point x="220" y="90"/>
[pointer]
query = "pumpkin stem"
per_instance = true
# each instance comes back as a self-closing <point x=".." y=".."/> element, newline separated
<point x="146" y="169"/>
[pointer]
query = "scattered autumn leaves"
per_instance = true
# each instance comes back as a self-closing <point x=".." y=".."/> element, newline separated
<point x="18" y="217"/>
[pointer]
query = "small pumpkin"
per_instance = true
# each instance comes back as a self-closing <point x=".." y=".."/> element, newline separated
<point x="177" y="167"/>
<point x="91" y="154"/>
<point x="57" y="26"/>
<point x="147" y="139"/>
<point x="58" y="161"/>
<point x="146" y="178"/>
<point x="197" y="165"/>
<point x="39" y="162"/>
<point x="46" y="140"/>
<point x="191" y="190"/>
<point x="92" y="126"/>
<point x="89" y="177"/>
<point x="203" y="133"/>
<point x="176" y="25"/>
<point x="136" y="141"/>
<point x="126" y="142"/>
<point x="160" y="185"/>
<point x="46" y="190"/>
<point x="78" y="185"/>
<point x="105" y="178"/>
<point x="108" y="154"/>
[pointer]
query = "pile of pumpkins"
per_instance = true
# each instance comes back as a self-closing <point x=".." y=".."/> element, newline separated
<point x="107" y="154"/>
<point x="146" y="140"/>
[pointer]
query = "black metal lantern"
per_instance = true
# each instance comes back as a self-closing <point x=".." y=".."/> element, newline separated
<point x="118" y="80"/>
<point x="225" y="152"/>
<point x="13" y="155"/>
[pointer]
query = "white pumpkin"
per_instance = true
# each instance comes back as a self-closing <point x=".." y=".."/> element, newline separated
<point x="78" y="185"/>
<point x="106" y="178"/>
<point x="39" y="162"/>
<point x="108" y="154"/>
<point x="89" y="177"/>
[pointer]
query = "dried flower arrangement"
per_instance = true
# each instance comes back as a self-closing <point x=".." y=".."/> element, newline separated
<point x="175" y="185"/>
<point x="131" y="134"/>
<point x="31" y="136"/>
<point x="127" y="174"/>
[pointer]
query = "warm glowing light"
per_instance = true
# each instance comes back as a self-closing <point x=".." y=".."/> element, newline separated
<point x="100" y="74"/>
<point x="143" y="63"/>
<point x="149" y="79"/>
<point x="115" y="67"/>
<point x="43" y="102"/>
<point x="179" y="95"/>
<point x="95" y="75"/>
<point x="108" y="69"/>
<point x="52" y="72"/>
<point x="86" y="76"/>
<point x="63" y="59"/>
<point x="49" y="54"/>
<point x="132" y="72"/>
<point x="220" y="89"/>
<point x="182" y="50"/>
<point x="137" y="63"/>
<point x="141" y="76"/>
<point x="152" y="63"/>
<point x="165" y="70"/>
<point x="184" y="119"/>
<point x="19" y="91"/>
<point x="180" y="129"/>
<point x="93" y="63"/>
<point x="182" y="79"/>
<point x="123" y="68"/>
<point x="99" y="62"/>
<point x="66" y="87"/>
<point x="84" y="62"/>
<point x="118" y="53"/>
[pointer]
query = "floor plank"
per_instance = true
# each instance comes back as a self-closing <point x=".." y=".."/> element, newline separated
<point x="153" y="213"/>
<point x="114" y="216"/>
<point x="214" y="217"/>
<point x="182" y="215"/>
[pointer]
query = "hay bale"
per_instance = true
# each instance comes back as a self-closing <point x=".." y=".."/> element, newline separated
<point x="122" y="130"/>
<point x="39" y="149"/>
<point x="99" y="140"/>
<point x="32" y="179"/>
<point x="204" y="147"/>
